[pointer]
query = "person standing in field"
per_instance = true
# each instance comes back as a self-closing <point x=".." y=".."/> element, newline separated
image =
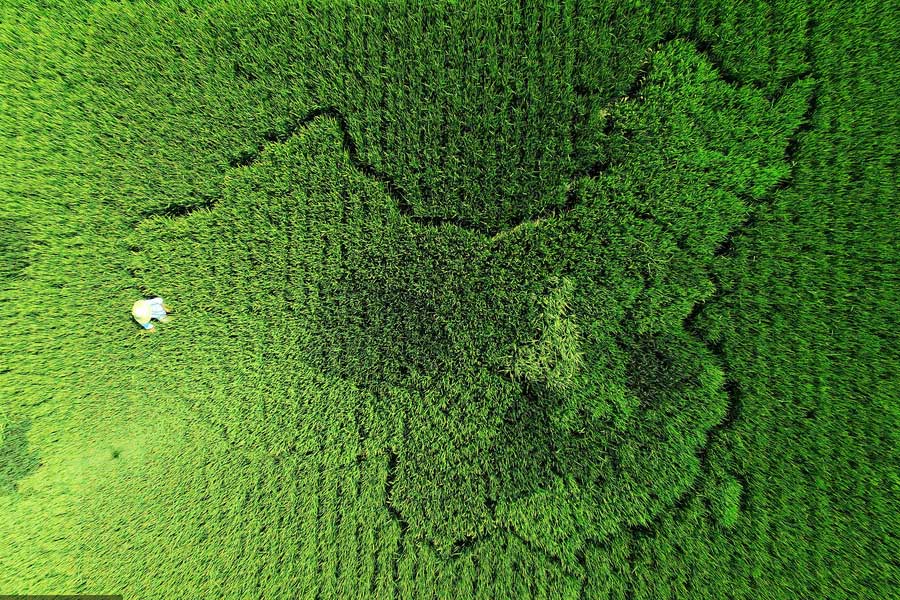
<point x="144" y="311"/>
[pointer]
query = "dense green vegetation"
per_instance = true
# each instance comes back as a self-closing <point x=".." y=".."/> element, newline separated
<point x="555" y="300"/>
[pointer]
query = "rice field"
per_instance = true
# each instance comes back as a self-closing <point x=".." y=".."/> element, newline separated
<point x="469" y="300"/>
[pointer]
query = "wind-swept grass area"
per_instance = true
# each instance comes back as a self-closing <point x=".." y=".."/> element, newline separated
<point x="471" y="300"/>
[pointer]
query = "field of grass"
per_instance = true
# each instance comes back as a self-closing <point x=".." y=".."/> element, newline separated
<point x="471" y="300"/>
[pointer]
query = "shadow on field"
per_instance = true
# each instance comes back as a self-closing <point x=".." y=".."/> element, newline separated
<point x="17" y="461"/>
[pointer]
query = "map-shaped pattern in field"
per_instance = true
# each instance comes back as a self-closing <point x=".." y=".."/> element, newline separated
<point x="544" y="364"/>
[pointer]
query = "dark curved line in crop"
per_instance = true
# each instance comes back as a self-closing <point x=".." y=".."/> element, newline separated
<point x="726" y="248"/>
<point x="401" y="197"/>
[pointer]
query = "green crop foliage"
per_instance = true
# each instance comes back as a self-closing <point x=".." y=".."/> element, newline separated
<point x="471" y="300"/>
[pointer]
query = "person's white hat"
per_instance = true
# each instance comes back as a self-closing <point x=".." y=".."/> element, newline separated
<point x="141" y="311"/>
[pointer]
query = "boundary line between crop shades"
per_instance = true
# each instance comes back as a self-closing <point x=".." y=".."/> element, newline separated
<point x="393" y="189"/>
<point x="400" y="196"/>
<point x="726" y="248"/>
